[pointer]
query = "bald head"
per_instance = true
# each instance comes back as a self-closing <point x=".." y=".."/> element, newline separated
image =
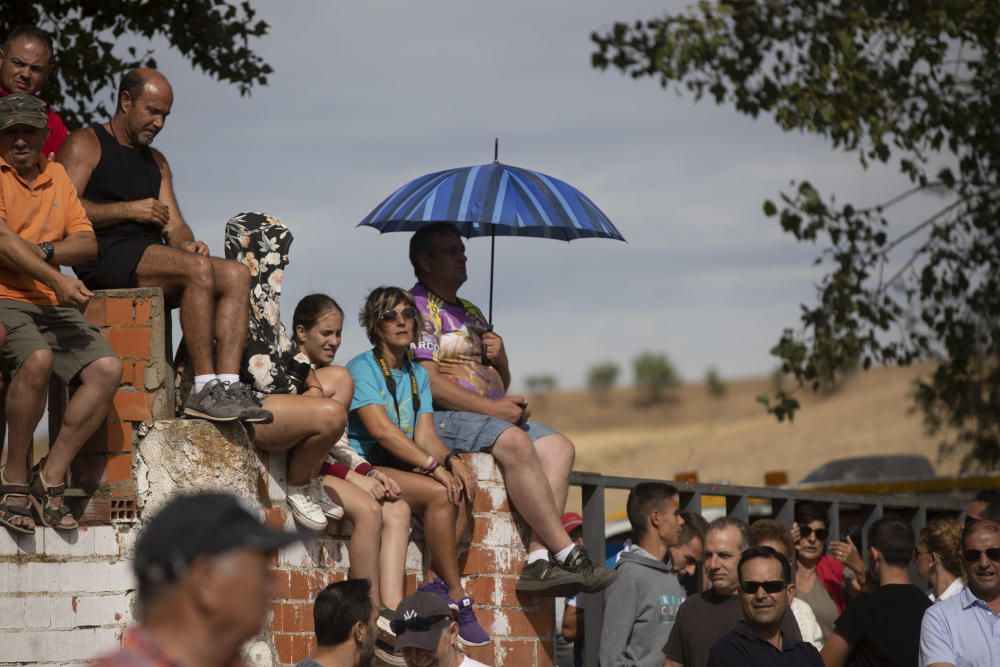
<point x="144" y="101"/>
<point x="142" y="80"/>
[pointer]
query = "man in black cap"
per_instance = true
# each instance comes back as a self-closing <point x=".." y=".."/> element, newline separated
<point x="201" y="566"/>
<point x="427" y="634"/>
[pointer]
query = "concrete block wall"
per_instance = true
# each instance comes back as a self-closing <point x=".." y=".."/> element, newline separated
<point x="134" y="323"/>
<point x="64" y="598"/>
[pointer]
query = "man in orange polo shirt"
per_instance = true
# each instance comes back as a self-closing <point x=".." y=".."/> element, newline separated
<point x="39" y="203"/>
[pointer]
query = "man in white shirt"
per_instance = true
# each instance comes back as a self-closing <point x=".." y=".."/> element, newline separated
<point x="427" y="633"/>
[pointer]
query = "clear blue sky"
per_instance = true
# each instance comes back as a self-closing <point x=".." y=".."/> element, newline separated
<point x="367" y="95"/>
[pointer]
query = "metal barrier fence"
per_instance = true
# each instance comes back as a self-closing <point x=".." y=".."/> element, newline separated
<point x="864" y="510"/>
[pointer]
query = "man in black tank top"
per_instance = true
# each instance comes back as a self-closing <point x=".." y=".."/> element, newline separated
<point x="143" y="241"/>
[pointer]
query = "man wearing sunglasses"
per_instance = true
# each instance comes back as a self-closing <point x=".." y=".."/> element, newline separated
<point x="766" y="592"/>
<point x="964" y="629"/>
<point x="427" y="633"/>
<point x="882" y="627"/>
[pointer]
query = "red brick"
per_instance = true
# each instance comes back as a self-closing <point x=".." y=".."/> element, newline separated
<point x="143" y="311"/>
<point x="297" y="617"/>
<point x="484" y="654"/>
<point x="128" y="373"/>
<point x="300" y="647"/>
<point x="132" y="342"/>
<point x="517" y="623"/>
<point x="514" y="653"/>
<point x="118" y="436"/>
<point x="484" y="502"/>
<point x="546" y="651"/>
<point x="483" y="560"/>
<point x="96" y="312"/>
<point x="410" y="584"/>
<point x="132" y="406"/>
<point x="274" y="517"/>
<point x="274" y="610"/>
<point x="120" y="311"/>
<point x="118" y="468"/>
<point x="284" y="647"/>
<point x="482" y="589"/>
<point x="305" y="585"/>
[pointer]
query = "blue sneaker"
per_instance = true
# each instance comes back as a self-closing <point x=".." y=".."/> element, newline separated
<point x="438" y="588"/>
<point x="470" y="632"/>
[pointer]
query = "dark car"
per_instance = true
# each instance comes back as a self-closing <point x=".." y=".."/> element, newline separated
<point x="871" y="468"/>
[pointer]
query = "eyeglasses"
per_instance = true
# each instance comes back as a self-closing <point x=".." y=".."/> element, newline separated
<point x="821" y="533"/>
<point x="771" y="587"/>
<point x="973" y="555"/>
<point x="393" y="315"/>
<point x="416" y="624"/>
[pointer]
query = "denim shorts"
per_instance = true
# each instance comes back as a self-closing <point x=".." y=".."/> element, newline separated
<point x="473" y="432"/>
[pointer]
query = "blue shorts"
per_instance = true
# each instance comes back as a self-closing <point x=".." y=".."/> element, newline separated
<point x="473" y="432"/>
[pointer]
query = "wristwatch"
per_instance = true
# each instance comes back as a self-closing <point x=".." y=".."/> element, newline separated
<point x="48" y="249"/>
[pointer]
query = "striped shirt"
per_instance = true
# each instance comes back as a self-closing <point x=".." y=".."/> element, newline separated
<point x="961" y="631"/>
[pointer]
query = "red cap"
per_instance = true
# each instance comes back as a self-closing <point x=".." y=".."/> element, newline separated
<point x="571" y="521"/>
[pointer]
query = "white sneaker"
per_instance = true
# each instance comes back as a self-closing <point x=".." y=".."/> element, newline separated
<point x="305" y="510"/>
<point x="332" y="510"/>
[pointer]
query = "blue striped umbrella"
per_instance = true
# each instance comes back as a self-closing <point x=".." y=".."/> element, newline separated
<point x="493" y="200"/>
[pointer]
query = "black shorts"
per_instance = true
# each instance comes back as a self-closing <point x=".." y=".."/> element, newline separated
<point x="117" y="259"/>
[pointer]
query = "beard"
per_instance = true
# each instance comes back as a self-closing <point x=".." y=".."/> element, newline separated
<point x="366" y="654"/>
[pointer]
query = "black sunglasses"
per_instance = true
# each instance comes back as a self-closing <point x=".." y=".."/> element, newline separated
<point x="771" y="587"/>
<point x="392" y="315"/>
<point x="416" y="624"/>
<point x="973" y="555"/>
<point x="821" y="533"/>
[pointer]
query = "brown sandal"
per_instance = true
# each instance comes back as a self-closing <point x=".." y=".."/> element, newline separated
<point x="42" y="494"/>
<point x="8" y="511"/>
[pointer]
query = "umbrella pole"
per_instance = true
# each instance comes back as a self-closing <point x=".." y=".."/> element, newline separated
<point x="493" y="245"/>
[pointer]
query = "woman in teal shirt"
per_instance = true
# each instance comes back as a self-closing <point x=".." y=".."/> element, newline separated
<point x="391" y="424"/>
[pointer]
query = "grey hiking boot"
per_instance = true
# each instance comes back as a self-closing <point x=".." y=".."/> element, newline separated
<point x="245" y="397"/>
<point x="213" y="403"/>
<point x="596" y="577"/>
<point x="550" y="578"/>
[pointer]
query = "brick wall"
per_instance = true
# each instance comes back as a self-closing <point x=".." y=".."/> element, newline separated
<point x="134" y="323"/>
<point x="490" y="559"/>
<point x="65" y="598"/>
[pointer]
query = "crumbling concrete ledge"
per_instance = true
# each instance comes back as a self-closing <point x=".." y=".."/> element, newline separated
<point x="185" y="455"/>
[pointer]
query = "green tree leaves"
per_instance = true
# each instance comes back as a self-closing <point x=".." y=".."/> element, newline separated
<point x="912" y="82"/>
<point x="92" y="49"/>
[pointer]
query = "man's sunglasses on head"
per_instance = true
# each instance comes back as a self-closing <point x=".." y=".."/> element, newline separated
<point x="416" y="624"/>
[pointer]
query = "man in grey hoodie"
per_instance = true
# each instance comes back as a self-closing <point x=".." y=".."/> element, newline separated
<point x="640" y="607"/>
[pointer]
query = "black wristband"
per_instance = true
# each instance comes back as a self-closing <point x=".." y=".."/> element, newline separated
<point x="454" y="454"/>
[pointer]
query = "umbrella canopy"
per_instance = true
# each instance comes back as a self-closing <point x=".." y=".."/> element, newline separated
<point x="493" y="199"/>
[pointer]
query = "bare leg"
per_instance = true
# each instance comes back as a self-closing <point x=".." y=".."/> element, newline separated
<point x="25" y="405"/>
<point x="392" y="559"/>
<point x="337" y="383"/>
<point x="84" y="413"/>
<point x="232" y="312"/>
<point x="366" y="540"/>
<point x="309" y="426"/>
<point x="557" y="455"/>
<point x="429" y="498"/>
<point x="529" y="490"/>
<point x="189" y="279"/>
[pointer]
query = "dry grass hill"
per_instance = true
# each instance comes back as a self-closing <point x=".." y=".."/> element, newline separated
<point x="731" y="439"/>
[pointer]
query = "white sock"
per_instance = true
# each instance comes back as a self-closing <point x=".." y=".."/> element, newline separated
<point x="201" y="380"/>
<point x="228" y="378"/>
<point x="540" y="554"/>
<point x="563" y="554"/>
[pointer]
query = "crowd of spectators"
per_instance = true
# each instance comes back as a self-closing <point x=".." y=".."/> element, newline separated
<point x="382" y="438"/>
